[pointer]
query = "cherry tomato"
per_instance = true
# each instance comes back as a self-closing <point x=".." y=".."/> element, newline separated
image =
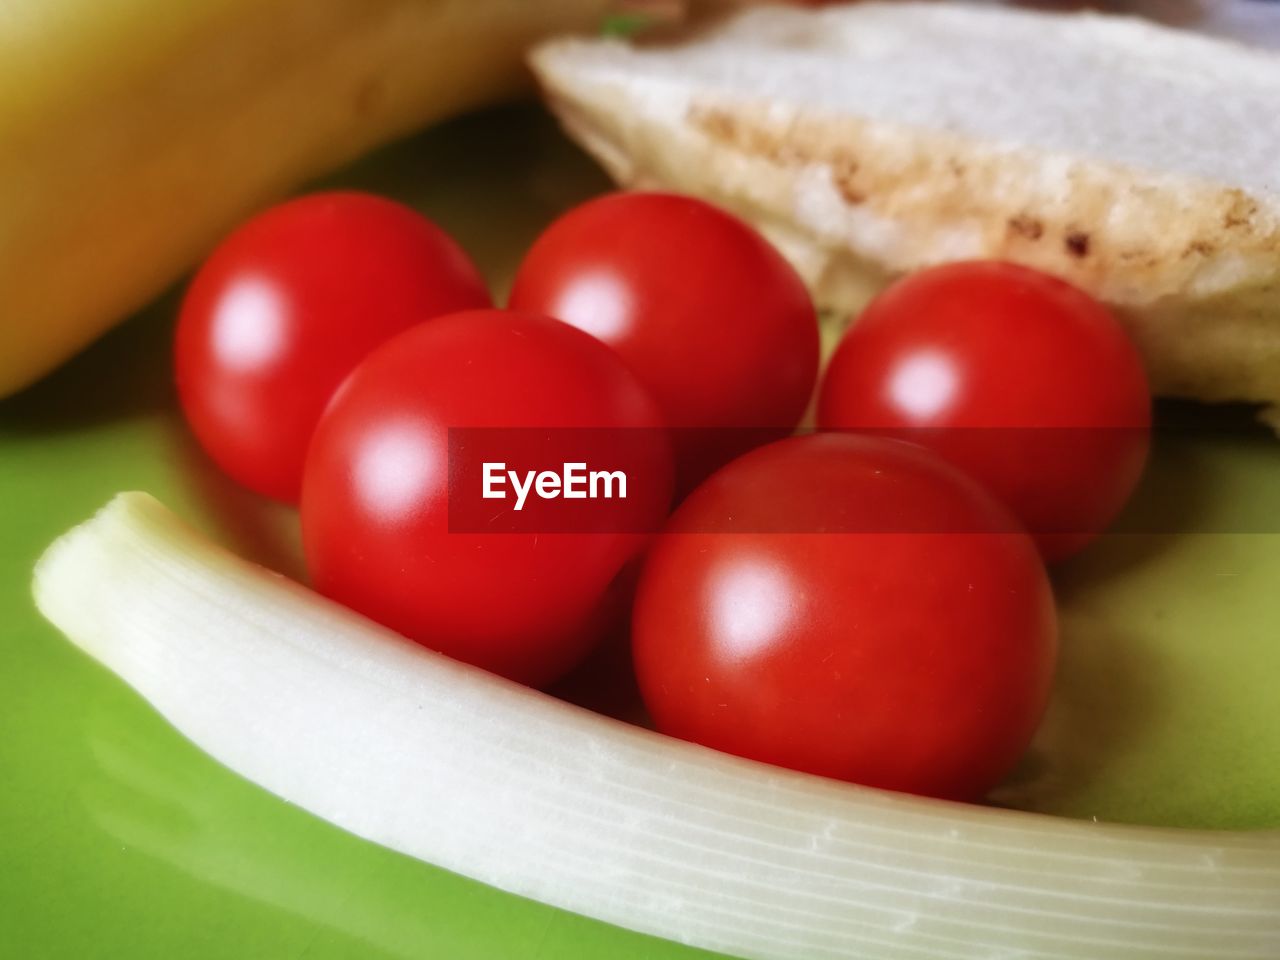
<point x="850" y="606"/>
<point x="284" y="309"/>
<point x="706" y="313"/>
<point x="1023" y="380"/>
<point x="394" y="521"/>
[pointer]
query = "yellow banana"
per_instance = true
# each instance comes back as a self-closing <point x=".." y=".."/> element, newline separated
<point x="133" y="133"/>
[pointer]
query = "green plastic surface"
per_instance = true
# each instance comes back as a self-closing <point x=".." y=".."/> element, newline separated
<point x="119" y="839"/>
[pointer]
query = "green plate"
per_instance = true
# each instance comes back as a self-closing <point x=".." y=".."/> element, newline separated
<point x="119" y="839"/>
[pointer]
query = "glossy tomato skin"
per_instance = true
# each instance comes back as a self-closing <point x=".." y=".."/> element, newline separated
<point x="853" y="607"/>
<point x="287" y="305"/>
<point x="1023" y="380"/>
<point x="704" y="310"/>
<point x="381" y="476"/>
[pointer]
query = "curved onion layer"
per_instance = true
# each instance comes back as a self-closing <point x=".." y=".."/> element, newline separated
<point x="532" y="795"/>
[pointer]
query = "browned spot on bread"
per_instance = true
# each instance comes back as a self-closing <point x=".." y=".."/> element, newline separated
<point x="843" y="170"/>
<point x="1077" y="243"/>
<point x="1201" y="247"/>
<point x="1240" y="211"/>
<point x="716" y="124"/>
<point x="844" y="166"/>
<point x="748" y="138"/>
<point x="850" y="194"/>
<point x="723" y="126"/>
<point x="956" y="167"/>
<point x="1139" y="257"/>
<point x="1025" y="225"/>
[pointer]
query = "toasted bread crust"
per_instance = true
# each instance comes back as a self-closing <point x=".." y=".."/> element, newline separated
<point x="1133" y="238"/>
<point x="1192" y="267"/>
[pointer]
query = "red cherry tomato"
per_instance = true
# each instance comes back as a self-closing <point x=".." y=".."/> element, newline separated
<point x="706" y="313"/>
<point x="850" y="606"/>
<point x="393" y="520"/>
<point x="1023" y="380"/>
<point x="284" y="309"/>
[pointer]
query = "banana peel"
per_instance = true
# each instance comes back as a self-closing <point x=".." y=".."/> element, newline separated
<point x="134" y="133"/>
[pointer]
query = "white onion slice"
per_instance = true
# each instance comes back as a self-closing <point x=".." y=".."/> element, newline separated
<point x="534" y="796"/>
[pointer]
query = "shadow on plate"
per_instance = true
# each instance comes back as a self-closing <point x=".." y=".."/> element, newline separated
<point x="1105" y="697"/>
<point x="147" y="791"/>
<point x="168" y="806"/>
<point x="1183" y="492"/>
<point x="125" y="374"/>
